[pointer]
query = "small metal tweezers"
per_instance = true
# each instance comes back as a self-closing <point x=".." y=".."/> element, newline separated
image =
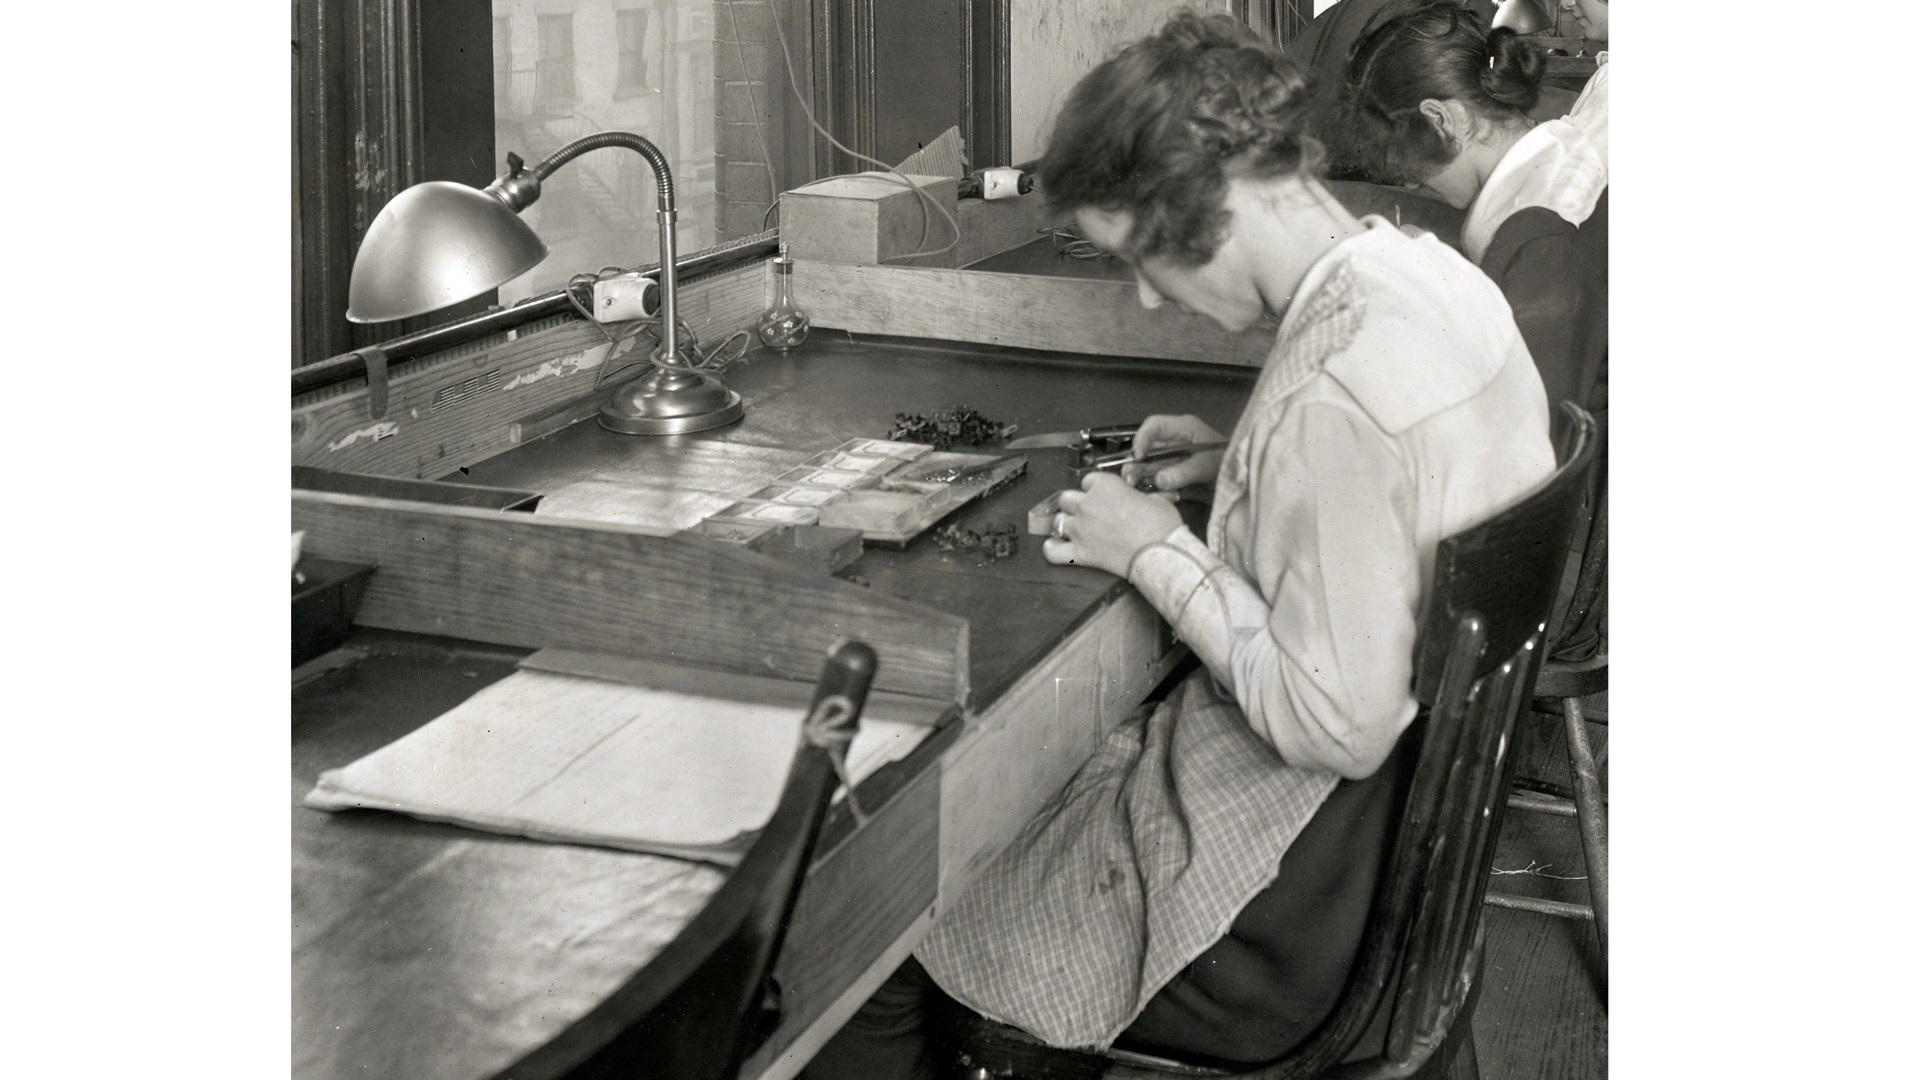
<point x="1114" y="462"/>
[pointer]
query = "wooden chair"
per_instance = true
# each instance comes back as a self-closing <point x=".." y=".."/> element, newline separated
<point x="1417" y="972"/>
<point x="704" y="1002"/>
<point x="1576" y="670"/>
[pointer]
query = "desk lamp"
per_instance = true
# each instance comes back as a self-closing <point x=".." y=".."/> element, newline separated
<point x="439" y="242"/>
<point x="1522" y="16"/>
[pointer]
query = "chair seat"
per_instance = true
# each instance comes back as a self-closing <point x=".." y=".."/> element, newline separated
<point x="990" y="1049"/>
<point x="1560" y="679"/>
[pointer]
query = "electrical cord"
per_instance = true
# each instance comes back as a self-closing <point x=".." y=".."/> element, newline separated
<point x="928" y="206"/>
<point x="711" y="361"/>
<point x="1070" y="243"/>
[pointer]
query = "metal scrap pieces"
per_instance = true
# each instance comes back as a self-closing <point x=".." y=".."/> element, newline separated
<point x="946" y="427"/>
<point x="995" y="541"/>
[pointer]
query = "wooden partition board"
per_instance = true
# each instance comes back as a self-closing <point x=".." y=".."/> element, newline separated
<point x="532" y="582"/>
<point x="1025" y="311"/>
<point x="991" y="226"/>
<point x="859" y="899"/>
<point x="467" y="403"/>
<point x="1010" y="759"/>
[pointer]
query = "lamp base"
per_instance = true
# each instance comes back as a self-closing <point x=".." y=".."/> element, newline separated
<point x="671" y="402"/>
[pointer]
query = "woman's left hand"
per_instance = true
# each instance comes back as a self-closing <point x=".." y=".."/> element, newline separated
<point x="1106" y="523"/>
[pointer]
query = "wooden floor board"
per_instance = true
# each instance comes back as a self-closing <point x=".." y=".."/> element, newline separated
<point x="1542" y="1013"/>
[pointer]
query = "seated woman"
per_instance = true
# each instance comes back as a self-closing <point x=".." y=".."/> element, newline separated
<point x="1321" y="51"/>
<point x="1201" y="884"/>
<point x="1434" y="100"/>
<point x="1589" y="111"/>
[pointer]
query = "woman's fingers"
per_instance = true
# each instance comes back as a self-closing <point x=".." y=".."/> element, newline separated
<point x="1177" y="475"/>
<point x="1159" y="431"/>
<point x="1057" y="551"/>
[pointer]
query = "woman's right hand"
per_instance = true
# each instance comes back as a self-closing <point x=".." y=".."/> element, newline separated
<point x="1169" y="476"/>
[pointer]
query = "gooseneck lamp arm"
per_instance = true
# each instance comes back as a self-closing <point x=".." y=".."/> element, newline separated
<point x="519" y="189"/>
<point x="439" y="242"/>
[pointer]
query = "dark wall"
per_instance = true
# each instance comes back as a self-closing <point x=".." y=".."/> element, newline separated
<point x="918" y="70"/>
<point x="386" y="93"/>
<point x="456" y="86"/>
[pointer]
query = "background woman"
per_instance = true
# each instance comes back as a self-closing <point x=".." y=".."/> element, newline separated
<point x="1149" y="901"/>
<point x="1433" y="99"/>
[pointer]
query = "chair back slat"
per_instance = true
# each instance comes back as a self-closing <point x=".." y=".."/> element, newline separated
<point x="1585" y="608"/>
<point x="1442" y="948"/>
<point x="1482" y="638"/>
<point x="1575" y="633"/>
<point x="1505" y="572"/>
<point x="1500" y="567"/>
<point x="695" y="1011"/>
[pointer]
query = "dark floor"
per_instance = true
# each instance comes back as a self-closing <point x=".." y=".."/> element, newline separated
<point x="1543" y="1008"/>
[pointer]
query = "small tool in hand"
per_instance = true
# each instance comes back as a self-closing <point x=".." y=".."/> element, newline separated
<point x="1112" y="436"/>
<point x="1114" y="462"/>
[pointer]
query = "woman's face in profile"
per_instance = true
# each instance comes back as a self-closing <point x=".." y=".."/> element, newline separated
<point x="1455" y="184"/>
<point x="1591" y="15"/>
<point x="1214" y="289"/>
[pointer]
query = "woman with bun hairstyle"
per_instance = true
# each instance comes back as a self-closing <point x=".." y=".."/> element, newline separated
<point x="1200" y="886"/>
<point x="1436" y="101"/>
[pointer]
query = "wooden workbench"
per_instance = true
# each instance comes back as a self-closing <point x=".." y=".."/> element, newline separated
<point x="430" y="951"/>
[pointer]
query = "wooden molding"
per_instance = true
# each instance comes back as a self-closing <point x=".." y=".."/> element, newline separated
<point x="470" y="402"/>
<point x="1032" y="312"/>
<point x="522" y="580"/>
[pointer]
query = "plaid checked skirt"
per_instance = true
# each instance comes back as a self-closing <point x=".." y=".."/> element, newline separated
<point x="1131" y="871"/>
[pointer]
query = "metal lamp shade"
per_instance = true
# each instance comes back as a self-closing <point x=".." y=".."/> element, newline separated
<point x="437" y="243"/>
<point x="1522" y="16"/>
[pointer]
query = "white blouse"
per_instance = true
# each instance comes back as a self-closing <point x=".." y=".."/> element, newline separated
<point x="1357" y="454"/>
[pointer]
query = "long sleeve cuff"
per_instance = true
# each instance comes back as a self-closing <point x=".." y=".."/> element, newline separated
<point x="1209" y="605"/>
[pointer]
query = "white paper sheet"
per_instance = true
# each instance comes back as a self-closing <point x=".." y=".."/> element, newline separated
<point x="569" y="758"/>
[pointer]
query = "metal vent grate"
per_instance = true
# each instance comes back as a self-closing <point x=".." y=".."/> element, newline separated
<point x="449" y="396"/>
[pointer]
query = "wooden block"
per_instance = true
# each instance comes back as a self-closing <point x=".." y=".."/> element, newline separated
<point x="888" y="514"/>
<point x="530" y="581"/>
<point x="991" y="226"/>
<point x="1040" y="518"/>
<point x="819" y="548"/>
<point x="901" y="508"/>
<point x="869" y="218"/>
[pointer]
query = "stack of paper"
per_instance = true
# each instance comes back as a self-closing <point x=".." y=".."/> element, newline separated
<point x="588" y="760"/>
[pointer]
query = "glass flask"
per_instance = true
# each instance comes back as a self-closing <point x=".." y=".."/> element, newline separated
<point x="783" y="325"/>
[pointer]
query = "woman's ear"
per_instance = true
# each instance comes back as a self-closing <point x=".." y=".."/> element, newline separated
<point x="1449" y="118"/>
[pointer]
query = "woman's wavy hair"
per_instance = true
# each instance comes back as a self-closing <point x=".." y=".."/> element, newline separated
<point x="1155" y="130"/>
<point x="1429" y="49"/>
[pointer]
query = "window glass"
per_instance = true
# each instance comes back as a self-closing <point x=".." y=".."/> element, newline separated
<point x="575" y="67"/>
<point x="633" y="50"/>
